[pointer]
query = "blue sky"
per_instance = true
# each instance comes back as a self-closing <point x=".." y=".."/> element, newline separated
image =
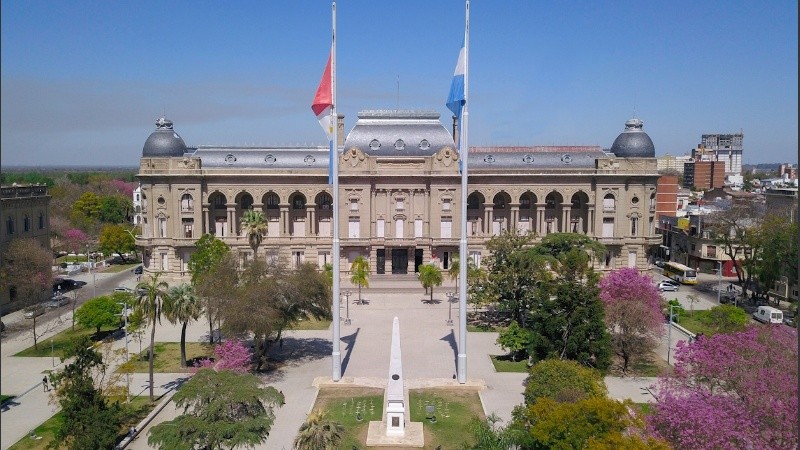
<point x="83" y="82"/>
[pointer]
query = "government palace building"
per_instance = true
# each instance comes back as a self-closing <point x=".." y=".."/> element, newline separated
<point x="400" y="186"/>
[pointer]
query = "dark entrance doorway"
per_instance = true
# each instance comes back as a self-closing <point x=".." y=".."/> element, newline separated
<point x="400" y="260"/>
<point x="417" y="259"/>
<point x="380" y="255"/>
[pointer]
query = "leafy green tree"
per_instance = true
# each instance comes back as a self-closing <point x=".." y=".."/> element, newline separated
<point x="488" y="435"/>
<point x="114" y="209"/>
<point x="777" y="236"/>
<point x="359" y="274"/>
<point x="327" y="269"/>
<point x="430" y="276"/>
<point x="319" y="432"/>
<point x="269" y="298"/>
<point x="89" y="422"/>
<point x="183" y="307"/>
<point x="514" y="339"/>
<point x="254" y="226"/>
<point x="725" y="319"/>
<point x="103" y="311"/>
<point x="566" y="319"/>
<point x="151" y="294"/>
<point x="221" y="410"/>
<point x="116" y="239"/>
<point x="203" y="265"/>
<point x="563" y="381"/>
<point x="595" y="422"/>
<point x="85" y="211"/>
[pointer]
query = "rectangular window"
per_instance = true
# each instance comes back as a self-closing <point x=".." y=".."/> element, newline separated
<point x="325" y="227"/>
<point x="299" y="228"/>
<point x="273" y="227"/>
<point x="497" y="227"/>
<point x="608" y="203"/>
<point x="417" y="228"/>
<point x="446" y="204"/>
<point x="164" y="262"/>
<point x="162" y="227"/>
<point x="380" y="228"/>
<point x="221" y="227"/>
<point x="353" y="204"/>
<point x="323" y="258"/>
<point x="187" y="203"/>
<point x="447" y="228"/>
<point x="297" y="258"/>
<point x="398" y="229"/>
<point x="634" y="223"/>
<point x="188" y="228"/>
<point x="354" y="228"/>
<point x="41" y="221"/>
<point x="711" y="251"/>
<point x="632" y="259"/>
<point x="475" y="256"/>
<point x="399" y="204"/>
<point x="608" y="227"/>
<point x="185" y="261"/>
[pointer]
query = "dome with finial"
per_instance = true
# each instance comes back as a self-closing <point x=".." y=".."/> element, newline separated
<point x="633" y="142"/>
<point x="163" y="142"/>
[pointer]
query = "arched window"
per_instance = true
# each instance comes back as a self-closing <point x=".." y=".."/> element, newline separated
<point x="10" y="225"/>
<point x="41" y="221"/>
<point x="273" y="202"/>
<point x="187" y="203"/>
<point x="609" y="202"/>
<point x="26" y="223"/>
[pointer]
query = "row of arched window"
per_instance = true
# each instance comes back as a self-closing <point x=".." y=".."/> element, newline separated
<point x="11" y="224"/>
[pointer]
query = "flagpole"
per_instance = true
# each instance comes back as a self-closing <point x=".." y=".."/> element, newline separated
<point x="461" y="367"/>
<point x="336" y="355"/>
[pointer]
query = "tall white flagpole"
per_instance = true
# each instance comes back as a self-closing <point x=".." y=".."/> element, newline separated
<point x="463" y="249"/>
<point x="336" y="354"/>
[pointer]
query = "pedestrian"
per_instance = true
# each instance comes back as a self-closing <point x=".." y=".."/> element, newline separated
<point x="280" y="343"/>
<point x="44" y="384"/>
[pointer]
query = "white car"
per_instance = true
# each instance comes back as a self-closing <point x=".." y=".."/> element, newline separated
<point x="668" y="285"/>
<point x="123" y="289"/>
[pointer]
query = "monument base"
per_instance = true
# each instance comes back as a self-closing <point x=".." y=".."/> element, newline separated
<point x="413" y="437"/>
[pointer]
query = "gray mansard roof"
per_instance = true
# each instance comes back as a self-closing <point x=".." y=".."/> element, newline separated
<point x="534" y="157"/>
<point x="263" y="157"/>
<point x="398" y="133"/>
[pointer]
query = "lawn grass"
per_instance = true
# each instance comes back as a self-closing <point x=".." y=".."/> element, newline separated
<point x="344" y="404"/>
<point x="132" y="414"/>
<point x="63" y="340"/>
<point x="70" y="259"/>
<point x="483" y="328"/>
<point x="454" y="410"/>
<point x="115" y="268"/>
<point x="167" y="358"/>
<point x="313" y="324"/>
<point x="653" y="366"/>
<point x="503" y="363"/>
<point x="4" y="397"/>
<point x="693" y="322"/>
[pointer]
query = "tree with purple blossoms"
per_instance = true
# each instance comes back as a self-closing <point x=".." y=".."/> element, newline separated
<point x="632" y="314"/>
<point x="731" y="391"/>
<point x="75" y="240"/>
<point x="231" y="355"/>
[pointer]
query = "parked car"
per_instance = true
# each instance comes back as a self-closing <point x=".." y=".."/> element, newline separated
<point x="57" y="300"/>
<point x="668" y="285"/>
<point x="123" y="289"/>
<point x="33" y="311"/>
<point x="790" y="320"/>
<point x="660" y="263"/>
<point x="138" y="270"/>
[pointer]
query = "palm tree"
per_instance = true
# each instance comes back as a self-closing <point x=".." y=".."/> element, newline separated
<point x="359" y="274"/>
<point x="255" y="227"/>
<point x="455" y="269"/>
<point x="183" y="306"/>
<point x="319" y="433"/>
<point x="150" y="296"/>
<point x="430" y="276"/>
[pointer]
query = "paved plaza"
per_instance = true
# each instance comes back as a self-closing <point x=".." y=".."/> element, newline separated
<point x="429" y="349"/>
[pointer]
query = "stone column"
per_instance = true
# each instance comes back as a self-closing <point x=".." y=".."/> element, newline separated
<point x="285" y="230"/>
<point x="514" y="220"/>
<point x="231" y="217"/>
<point x="567" y="219"/>
<point x="206" y="227"/>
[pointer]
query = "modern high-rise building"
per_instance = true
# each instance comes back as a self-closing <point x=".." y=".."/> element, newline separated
<point x="400" y="186"/>
<point x="725" y="148"/>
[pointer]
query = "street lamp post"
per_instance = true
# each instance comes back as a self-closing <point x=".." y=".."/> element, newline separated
<point x="94" y="281"/>
<point x="450" y="296"/>
<point x="669" y="336"/>
<point x="127" y="354"/>
<point x="719" y="281"/>
<point x="347" y="295"/>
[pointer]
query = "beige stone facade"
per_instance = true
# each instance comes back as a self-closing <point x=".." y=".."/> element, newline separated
<point x="399" y="208"/>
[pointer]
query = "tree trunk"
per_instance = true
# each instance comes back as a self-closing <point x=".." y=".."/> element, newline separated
<point x="359" y="293"/>
<point x="210" y="328"/>
<point x="152" y="356"/>
<point x="431" y="294"/>
<point x="35" y="338"/>
<point x="183" y="344"/>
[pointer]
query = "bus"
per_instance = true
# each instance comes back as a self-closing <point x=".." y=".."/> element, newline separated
<point x="680" y="273"/>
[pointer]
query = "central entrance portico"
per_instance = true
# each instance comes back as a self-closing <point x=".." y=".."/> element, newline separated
<point x="399" y="260"/>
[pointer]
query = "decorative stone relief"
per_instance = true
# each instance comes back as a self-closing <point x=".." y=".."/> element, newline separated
<point x="354" y="156"/>
<point x="447" y="156"/>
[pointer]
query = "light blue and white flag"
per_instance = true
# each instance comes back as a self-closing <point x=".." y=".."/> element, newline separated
<point x="457" y="99"/>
